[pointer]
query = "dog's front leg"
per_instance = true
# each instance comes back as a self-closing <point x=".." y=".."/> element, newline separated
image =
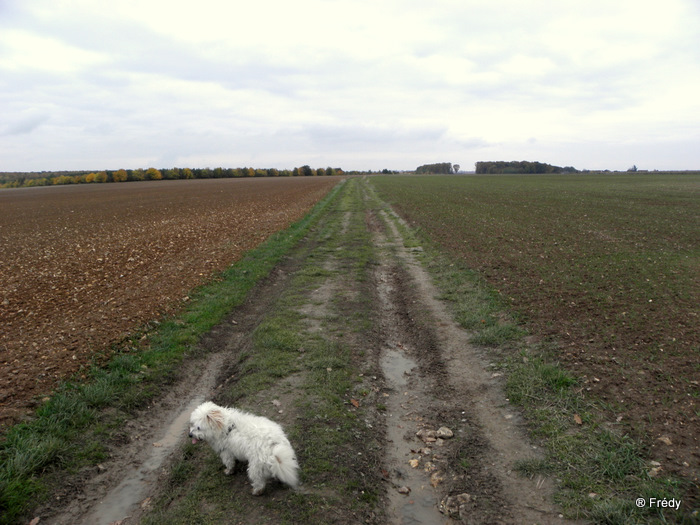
<point x="229" y="461"/>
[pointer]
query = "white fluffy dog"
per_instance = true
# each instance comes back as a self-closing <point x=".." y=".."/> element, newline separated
<point x="236" y="435"/>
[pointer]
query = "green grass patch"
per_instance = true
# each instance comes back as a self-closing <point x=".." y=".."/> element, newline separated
<point x="602" y="471"/>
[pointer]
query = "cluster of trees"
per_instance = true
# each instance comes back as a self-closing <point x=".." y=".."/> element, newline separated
<point x="441" y="168"/>
<point x="523" y="166"/>
<point x="16" y="180"/>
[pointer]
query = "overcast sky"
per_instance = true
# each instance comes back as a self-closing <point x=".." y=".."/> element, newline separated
<point x="357" y="84"/>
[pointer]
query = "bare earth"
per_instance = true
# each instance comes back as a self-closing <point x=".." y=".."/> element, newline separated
<point x="83" y="266"/>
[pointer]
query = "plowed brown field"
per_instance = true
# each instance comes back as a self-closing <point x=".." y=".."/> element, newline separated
<point x="83" y="266"/>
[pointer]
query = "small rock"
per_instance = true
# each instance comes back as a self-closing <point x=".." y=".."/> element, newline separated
<point x="444" y="433"/>
<point x="654" y="472"/>
<point x="403" y="490"/>
<point x="436" y="479"/>
<point x="665" y="440"/>
<point x="427" y="436"/>
<point x="456" y="506"/>
<point x="414" y="463"/>
<point x="429" y="467"/>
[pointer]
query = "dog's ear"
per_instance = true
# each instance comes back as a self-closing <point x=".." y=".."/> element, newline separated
<point x="215" y="418"/>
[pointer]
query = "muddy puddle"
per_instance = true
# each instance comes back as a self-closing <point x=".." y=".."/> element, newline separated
<point x="412" y="499"/>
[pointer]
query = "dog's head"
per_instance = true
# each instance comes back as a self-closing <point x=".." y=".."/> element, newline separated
<point x="206" y="422"/>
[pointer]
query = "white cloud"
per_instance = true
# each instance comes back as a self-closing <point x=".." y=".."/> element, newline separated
<point x="24" y="50"/>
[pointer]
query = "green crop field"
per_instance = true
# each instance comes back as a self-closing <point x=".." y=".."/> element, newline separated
<point x="613" y="258"/>
<point x="603" y="268"/>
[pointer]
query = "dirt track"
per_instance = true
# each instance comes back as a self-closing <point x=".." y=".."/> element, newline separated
<point x="416" y="372"/>
<point x="451" y="376"/>
<point x="83" y="266"/>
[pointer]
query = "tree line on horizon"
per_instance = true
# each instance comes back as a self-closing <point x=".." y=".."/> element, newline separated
<point x="50" y="178"/>
<point x="438" y="168"/>
<point x="517" y="167"/>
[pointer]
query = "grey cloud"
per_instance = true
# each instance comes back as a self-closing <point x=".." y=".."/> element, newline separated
<point x="369" y="136"/>
<point x="26" y="125"/>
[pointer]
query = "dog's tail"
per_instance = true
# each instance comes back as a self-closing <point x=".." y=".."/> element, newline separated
<point x="284" y="464"/>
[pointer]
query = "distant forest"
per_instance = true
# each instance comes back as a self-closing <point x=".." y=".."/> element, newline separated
<point x="49" y="178"/>
<point x="523" y="166"/>
<point x="437" y="168"/>
<point x="495" y="167"/>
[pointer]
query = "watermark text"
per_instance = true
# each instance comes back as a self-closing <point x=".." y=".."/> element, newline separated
<point x="659" y="503"/>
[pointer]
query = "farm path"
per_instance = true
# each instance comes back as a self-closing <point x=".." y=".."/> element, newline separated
<point x="434" y="436"/>
<point x="448" y="375"/>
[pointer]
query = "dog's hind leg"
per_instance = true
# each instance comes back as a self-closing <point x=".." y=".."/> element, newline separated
<point x="257" y="477"/>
